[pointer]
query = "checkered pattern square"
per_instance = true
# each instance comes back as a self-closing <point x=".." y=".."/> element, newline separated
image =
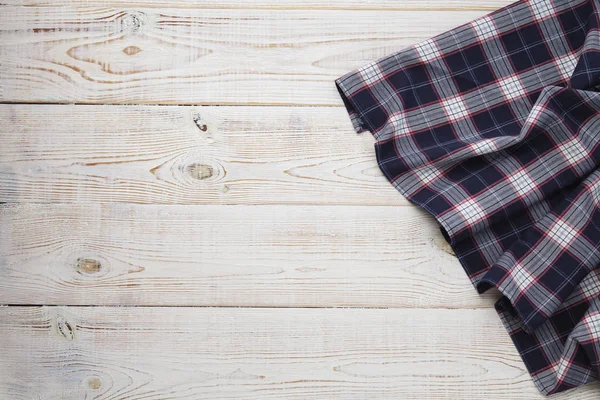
<point x="428" y="50"/>
<point x="573" y="151"/>
<point x="566" y="65"/>
<point x="428" y="174"/>
<point x="542" y="9"/>
<point x="562" y="233"/>
<point x="522" y="182"/>
<point x="455" y="108"/>
<point x="371" y="73"/>
<point x="399" y="122"/>
<point x="522" y="277"/>
<point x="470" y="211"/>
<point x="511" y="88"/>
<point x="484" y="28"/>
<point x="492" y="129"/>
<point x="484" y="146"/>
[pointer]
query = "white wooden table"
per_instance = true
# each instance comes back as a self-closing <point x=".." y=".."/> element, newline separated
<point x="189" y="214"/>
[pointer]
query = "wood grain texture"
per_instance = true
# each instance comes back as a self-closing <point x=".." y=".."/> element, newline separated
<point x="228" y="256"/>
<point x="139" y="54"/>
<point x="191" y="353"/>
<point x="188" y="155"/>
<point x="249" y="206"/>
<point x="420" y="5"/>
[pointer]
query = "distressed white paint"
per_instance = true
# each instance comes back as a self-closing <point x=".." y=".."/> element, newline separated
<point x="281" y="256"/>
<point x="149" y="52"/>
<point x="234" y="206"/>
<point x="228" y="353"/>
<point x="418" y="5"/>
<point x="187" y="155"/>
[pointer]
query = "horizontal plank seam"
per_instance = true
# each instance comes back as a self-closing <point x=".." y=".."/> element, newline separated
<point x="253" y="205"/>
<point x="292" y="8"/>
<point x="60" y="103"/>
<point x="483" y="307"/>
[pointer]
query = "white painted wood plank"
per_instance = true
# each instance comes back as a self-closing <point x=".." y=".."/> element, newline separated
<point x="434" y="5"/>
<point x="317" y="256"/>
<point x="140" y="54"/>
<point x="188" y="155"/>
<point x="194" y="353"/>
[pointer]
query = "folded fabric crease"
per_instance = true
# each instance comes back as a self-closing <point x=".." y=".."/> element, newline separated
<point x="493" y="129"/>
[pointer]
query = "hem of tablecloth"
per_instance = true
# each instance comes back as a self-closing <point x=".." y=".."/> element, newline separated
<point x="359" y="121"/>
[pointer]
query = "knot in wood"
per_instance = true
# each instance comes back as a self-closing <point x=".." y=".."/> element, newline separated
<point x="88" y="266"/>
<point x="199" y="122"/>
<point x="131" y="50"/>
<point x="94" y="383"/>
<point x="201" y="171"/>
<point x="133" y="22"/>
<point x="64" y="328"/>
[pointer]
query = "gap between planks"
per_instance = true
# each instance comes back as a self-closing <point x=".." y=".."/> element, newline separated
<point x="247" y="307"/>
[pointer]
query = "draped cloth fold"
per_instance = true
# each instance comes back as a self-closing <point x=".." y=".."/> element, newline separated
<point x="493" y="128"/>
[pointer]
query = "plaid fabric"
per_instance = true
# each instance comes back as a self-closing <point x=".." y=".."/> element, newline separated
<point x="493" y="129"/>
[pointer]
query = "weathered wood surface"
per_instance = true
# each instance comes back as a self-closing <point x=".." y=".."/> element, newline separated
<point x="420" y="5"/>
<point x="196" y="353"/>
<point x="149" y="53"/>
<point x="187" y="155"/>
<point x="228" y="256"/>
<point x="236" y="206"/>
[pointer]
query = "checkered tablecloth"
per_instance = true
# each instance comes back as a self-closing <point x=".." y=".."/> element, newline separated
<point x="493" y="129"/>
